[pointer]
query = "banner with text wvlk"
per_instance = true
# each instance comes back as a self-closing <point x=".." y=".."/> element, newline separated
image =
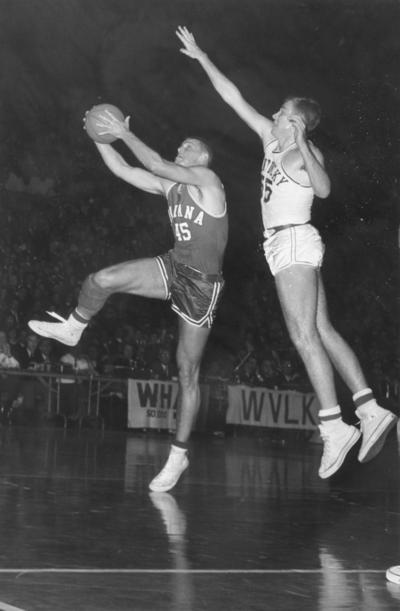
<point x="152" y="405"/>
<point x="273" y="408"/>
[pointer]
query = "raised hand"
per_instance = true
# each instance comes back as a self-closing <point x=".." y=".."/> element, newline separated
<point x="109" y="124"/>
<point x="190" y="47"/>
<point x="299" y="126"/>
<point x="112" y="125"/>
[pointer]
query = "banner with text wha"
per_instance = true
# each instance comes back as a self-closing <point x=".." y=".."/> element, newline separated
<point x="273" y="408"/>
<point x="152" y="405"/>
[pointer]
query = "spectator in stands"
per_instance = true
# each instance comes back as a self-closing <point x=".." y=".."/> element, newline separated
<point x="142" y="368"/>
<point x="13" y="313"/>
<point x="93" y="357"/>
<point x="162" y="368"/>
<point x="45" y="355"/>
<point x="27" y="353"/>
<point x="248" y="372"/>
<point x="291" y="378"/>
<point x="124" y="364"/>
<point x="219" y="364"/>
<point x="12" y="335"/>
<point x="7" y="360"/>
<point x="269" y="375"/>
<point x="152" y="349"/>
<point x="76" y="360"/>
<point x="33" y="354"/>
<point x="74" y="363"/>
<point x="8" y="384"/>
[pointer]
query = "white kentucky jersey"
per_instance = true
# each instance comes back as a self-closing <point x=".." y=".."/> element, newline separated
<point x="283" y="200"/>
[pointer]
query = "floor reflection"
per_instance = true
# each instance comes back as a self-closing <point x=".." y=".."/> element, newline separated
<point x="174" y="522"/>
<point x="249" y="526"/>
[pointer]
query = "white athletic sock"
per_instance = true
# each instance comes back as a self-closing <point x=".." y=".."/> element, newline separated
<point x="77" y="319"/>
<point x="330" y="416"/>
<point x="177" y="450"/>
<point x="364" y="400"/>
<point x="75" y="323"/>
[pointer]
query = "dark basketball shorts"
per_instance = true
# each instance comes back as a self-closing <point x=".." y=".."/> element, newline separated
<point x="194" y="295"/>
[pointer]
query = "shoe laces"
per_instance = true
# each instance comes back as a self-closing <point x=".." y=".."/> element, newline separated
<point x="57" y="316"/>
<point x="326" y="435"/>
<point x="366" y="419"/>
<point x="327" y="438"/>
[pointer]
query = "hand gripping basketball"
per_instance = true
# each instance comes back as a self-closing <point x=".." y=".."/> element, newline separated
<point x="98" y="122"/>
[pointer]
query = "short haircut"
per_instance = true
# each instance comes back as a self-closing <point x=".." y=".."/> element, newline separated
<point x="206" y="148"/>
<point x="309" y="109"/>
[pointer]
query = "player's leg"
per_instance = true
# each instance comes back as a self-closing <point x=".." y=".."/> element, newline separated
<point x="340" y="353"/>
<point x="298" y="287"/>
<point x="139" y="277"/>
<point x="375" y="421"/>
<point x="191" y="344"/>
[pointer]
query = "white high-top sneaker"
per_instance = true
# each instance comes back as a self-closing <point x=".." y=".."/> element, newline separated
<point x="375" y="423"/>
<point x="68" y="331"/>
<point x="338" y="440"/>
<point x="393" y="574"/>
<point x="169" y="475"/>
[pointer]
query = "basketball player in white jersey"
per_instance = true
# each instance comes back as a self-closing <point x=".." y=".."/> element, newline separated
<point x="292" y="174"/>
<point x="189" y="275"/>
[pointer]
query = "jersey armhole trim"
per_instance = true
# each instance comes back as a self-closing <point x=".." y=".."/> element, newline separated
<point x="196" y="201"/>
<point x="170" y="187"/>
<point x="288" y="175"/>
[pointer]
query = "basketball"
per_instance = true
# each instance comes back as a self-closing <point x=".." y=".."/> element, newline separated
<point x="92" y="120"/>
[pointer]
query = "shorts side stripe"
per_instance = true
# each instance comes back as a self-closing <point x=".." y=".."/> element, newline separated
<point x="196" y="323"/>
<point x="292" y="245"/>
<point x="214" y="298"/>
<point x="208" y="317"/>
<point x="164" y="276"/>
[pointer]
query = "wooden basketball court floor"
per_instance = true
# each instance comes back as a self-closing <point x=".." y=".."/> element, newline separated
<point x="249" y="527"/>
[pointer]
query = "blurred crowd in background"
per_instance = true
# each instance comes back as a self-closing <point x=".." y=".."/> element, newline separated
<point x="54" y="232"/>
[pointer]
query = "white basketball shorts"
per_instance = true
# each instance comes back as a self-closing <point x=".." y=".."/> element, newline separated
<point x="297" y="245"/>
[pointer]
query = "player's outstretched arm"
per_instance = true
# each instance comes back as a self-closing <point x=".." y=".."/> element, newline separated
<point x="152" y="161"/>
<point x="110" y="124"/>
<point x="142" y="179"/>
<point x="226" y="88"/>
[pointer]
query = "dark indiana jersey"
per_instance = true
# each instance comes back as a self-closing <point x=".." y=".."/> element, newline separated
<point x="200" y="238"/>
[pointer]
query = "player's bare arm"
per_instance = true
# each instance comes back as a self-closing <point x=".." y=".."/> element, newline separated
<point x="211" y="197"/>
<point x="139" y="178"/>
<point x="226" y="88"/>
<point x="153" y="162"/>
<point x="314" y="164"/>
<point x="312" y="159"/>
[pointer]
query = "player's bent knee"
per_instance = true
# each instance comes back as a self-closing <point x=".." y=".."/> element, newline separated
<point x="327" y="331"/>
<point x="103" y="279"/>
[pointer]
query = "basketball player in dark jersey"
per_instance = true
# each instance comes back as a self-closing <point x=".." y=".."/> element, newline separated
<point x="189" y="275"/>
<point x="293" y="173"/>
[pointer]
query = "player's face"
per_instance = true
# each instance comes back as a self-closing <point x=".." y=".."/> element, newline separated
<point x="189" y="153"/>
<point x="282" y="117"/>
